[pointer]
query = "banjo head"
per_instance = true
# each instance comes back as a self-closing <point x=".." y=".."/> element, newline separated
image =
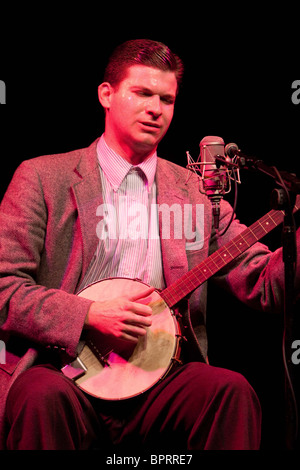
<point x="116" y="369"/>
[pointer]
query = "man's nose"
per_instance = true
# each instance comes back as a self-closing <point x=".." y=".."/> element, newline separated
<point x="153" y="106"/>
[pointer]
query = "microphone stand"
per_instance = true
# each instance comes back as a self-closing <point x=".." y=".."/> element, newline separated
<point x="284" y="199"/>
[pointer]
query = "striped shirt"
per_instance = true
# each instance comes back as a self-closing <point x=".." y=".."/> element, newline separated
<point x="129" y="243"/>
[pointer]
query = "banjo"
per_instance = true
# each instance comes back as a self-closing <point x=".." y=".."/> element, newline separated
<point x="116" y="369"/>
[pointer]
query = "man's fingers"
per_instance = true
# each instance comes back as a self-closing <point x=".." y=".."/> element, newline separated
<point x="140" y="302"/>
<point x="141" y="295"/>
<point x="134" y="332"/>
<point x="139" y="318"/>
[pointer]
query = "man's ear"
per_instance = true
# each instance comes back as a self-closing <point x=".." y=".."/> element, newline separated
<point x="105" y="92"/>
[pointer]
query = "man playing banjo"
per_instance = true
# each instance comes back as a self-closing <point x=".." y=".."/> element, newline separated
<point x="51" y="253"/>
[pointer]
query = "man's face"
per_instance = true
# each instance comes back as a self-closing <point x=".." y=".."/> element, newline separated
<point x="138" y="111"/>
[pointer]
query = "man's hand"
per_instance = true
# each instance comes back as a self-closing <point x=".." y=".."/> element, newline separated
<point x="124" y="318"/>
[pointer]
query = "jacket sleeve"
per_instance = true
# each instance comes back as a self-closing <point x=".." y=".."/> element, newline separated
<point x="47" y="316"/>
<point x="256" y="277"/>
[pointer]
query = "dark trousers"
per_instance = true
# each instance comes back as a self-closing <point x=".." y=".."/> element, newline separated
<point x="196" y="407"/>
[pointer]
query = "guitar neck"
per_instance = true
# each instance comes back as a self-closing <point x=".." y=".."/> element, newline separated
<point x="223" y="256"/>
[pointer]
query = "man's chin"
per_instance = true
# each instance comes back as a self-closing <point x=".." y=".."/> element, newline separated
<point x="148" y="141"/>
<point x="147" y="145"/>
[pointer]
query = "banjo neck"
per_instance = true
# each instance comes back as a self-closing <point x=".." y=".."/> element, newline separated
<point x="223" y="256"/>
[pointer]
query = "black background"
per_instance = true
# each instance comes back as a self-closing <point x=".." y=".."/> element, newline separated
<point x="240" y="64"/>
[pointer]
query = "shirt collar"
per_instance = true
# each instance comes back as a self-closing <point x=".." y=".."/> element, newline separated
<point x="116" y="168"/>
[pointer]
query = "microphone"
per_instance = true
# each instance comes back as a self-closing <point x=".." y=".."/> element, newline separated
<point x="214" y="174"/>
<point x="241" y="160"/>
<point x="232" y="150"/>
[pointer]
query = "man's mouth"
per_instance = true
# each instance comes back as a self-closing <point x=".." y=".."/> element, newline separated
<point x="151" y="124"/>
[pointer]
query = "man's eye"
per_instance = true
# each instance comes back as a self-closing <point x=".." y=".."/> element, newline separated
<point x="168" y="100"/>
<point x="143" y="93"/>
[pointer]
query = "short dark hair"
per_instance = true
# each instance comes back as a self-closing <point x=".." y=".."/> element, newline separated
<point x="141" y="52"/>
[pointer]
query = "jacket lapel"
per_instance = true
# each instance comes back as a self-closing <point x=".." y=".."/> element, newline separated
<point x="88" y="197"/>
<point x="171" y="192"/>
